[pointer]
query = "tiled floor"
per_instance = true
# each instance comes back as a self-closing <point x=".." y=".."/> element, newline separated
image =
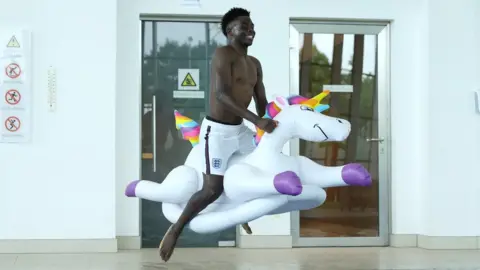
<point x="241" y="259"/>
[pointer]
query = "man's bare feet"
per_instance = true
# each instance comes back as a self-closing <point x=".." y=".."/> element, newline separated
<point x="168" y="244"/>
<point x="247" y="228"/>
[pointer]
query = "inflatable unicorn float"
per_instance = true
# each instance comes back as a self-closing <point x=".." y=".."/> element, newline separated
<point x="265" y="181"/>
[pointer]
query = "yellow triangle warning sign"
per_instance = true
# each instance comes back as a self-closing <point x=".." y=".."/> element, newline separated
<point x="189" y="81"/>
<point x="13" y="43"/>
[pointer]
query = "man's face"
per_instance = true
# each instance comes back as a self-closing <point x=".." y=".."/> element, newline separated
<point x="243" y="30"/>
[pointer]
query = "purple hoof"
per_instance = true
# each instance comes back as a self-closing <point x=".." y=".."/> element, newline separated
<point x="355" y="174"/>
<point x="288" y="183"/>
<point x="130" y="190"/>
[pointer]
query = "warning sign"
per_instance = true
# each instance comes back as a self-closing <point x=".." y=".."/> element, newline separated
<point x="13" y="97"/>
<point x="13" y="70"/>
<point x="188" y="79"/>
<point x="13" y="43"/>
<point x="15" y="87"/>
<point x="12" y="124"/>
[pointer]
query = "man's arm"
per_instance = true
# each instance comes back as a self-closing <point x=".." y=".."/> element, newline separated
<point x="259" y="96"/>
<point x="223" y="84"/>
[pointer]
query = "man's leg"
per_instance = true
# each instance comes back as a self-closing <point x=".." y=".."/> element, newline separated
<point x="211" y="190"/>
<point x="246" y="146"/>
<point x="247" y="228"/>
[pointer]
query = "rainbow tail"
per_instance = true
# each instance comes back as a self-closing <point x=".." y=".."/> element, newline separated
<point x="189" y="128"/>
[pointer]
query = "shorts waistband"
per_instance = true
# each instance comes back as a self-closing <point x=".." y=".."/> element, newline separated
<point x="226" y="128"/>
<point x="220" y="122"/>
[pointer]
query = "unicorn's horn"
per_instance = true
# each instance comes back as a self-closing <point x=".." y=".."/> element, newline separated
<point x="321" y="96"/>
<point x="316" y="99"/>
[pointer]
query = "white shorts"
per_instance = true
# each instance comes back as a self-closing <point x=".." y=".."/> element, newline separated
<point x="221" y="141"/>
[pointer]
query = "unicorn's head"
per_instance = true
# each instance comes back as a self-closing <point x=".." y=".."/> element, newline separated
<point x="300" y="117"/>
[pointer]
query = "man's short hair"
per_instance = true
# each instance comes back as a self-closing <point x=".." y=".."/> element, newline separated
<point x="231" y="15"/>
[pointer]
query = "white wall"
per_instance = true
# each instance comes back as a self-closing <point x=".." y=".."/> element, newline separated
<point x="62" y="184"/>
<point x="66" y="183"/>
<point x="454" y="128"/>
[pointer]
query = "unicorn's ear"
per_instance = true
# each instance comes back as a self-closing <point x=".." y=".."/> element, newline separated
<point x="280" y="101"/>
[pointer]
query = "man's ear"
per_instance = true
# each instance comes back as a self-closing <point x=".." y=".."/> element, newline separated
<point x="229" y="29"/>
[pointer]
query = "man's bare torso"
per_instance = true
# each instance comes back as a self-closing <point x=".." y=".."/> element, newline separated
<point x="244" y="78"/>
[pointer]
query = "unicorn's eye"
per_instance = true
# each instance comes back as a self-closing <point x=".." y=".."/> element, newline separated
<point x="305" y="108"/>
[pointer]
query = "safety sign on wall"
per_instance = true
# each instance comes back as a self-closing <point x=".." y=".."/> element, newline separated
<point x="13" y="70"/>
<point x="13" y="43"/>
<point x="188" y="79"/>
<point x="15" y="86"/>
<point x="14" y="128"/>
<point x="12" y="97"/>
<point x="12" y="124"/>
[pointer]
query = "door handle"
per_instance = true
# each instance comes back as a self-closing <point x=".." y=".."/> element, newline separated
<point x="154" y="131"/>
<point x="374" y="139"/>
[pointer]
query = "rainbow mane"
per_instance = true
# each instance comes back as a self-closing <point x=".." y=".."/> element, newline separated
<point x="190" y="129"/>
<point x="272" y="109"/>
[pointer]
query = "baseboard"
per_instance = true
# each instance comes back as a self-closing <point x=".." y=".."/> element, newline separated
<point x="58" y="246"/>
<point x="403" y="240"/>
<point x="129" y="242"/>
<point x="435" y="242"/>
<point x="264" y="241"/>
<point x="448" y="242"/>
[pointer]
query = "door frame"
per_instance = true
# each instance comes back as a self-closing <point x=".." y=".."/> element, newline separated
<point x="382" y="30"/>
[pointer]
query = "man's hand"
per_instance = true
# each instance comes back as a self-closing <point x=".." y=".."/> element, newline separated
<point x="266" y="124"/>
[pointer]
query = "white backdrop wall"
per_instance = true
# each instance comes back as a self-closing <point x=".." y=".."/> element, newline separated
<point x="68" y="182"/>
<point x="453" y="180"/>
<point x="61" y="185"/>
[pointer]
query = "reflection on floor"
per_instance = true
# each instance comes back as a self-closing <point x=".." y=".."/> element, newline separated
<point x="254" y="259"/>
<point x="355" y="226"/>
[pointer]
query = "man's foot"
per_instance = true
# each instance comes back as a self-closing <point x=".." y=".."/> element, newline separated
<point x="168" y="244"/>
<point x="247" y="228"/>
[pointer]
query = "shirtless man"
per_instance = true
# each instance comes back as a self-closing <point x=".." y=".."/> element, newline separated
<point x="236" y="79"/>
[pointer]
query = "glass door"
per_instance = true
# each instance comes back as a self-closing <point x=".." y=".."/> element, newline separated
<point x="176" y="57"/>
<point x="350" y="60"/>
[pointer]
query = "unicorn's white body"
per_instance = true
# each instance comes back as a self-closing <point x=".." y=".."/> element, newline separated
<point x="263" y="182"/>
